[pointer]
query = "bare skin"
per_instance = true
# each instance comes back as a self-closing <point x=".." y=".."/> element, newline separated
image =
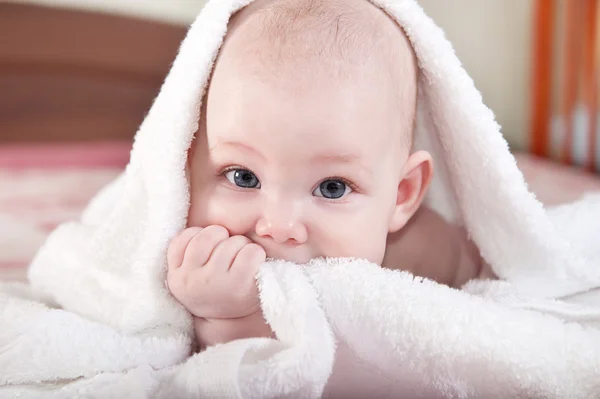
<point x="212" y="275"/>
<point x="300" y="160"/>
<point x="455" y="260"/>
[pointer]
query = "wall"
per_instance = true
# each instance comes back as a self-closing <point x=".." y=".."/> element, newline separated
<point x="173" y="11"/>
<point x="493" y="40"/>
<point x="491" y="37"/>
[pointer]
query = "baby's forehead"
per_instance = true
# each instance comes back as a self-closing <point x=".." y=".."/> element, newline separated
<point x="333" y="34"/>
<point x="308" y="43"/>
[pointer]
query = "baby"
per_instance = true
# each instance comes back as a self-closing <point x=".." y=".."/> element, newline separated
<point x="305" y="150"/>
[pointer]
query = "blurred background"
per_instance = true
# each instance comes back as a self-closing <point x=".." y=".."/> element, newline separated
<point x="491" y="37"/>
<point x="505" y="45"/>
<point x="78" y="76"/>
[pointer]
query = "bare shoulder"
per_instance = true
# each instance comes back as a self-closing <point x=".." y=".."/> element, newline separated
<point x="429" y="246"/>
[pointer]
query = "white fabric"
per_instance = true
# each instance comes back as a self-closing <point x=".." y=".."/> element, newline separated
<point x="97" y="321"/>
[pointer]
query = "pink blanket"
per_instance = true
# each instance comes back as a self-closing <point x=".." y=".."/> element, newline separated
<point x="44" y="185"/>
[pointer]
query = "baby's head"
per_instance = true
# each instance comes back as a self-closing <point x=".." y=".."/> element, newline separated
<point x="306" y="131"/>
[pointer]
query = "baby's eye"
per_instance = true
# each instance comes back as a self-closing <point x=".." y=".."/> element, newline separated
<point x="243" y="178"/>
<point x="332" y="189"/>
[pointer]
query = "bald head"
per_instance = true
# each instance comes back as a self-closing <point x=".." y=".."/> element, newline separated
<point x="340" y="40"/>
<point x="313" y="101"/>
<point x="340" y="35"/>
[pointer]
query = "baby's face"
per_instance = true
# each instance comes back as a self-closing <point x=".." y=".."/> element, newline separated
<point x="303" y="170"/>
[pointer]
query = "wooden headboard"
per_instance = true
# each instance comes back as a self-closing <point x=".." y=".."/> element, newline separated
<point x="69" y="75"/>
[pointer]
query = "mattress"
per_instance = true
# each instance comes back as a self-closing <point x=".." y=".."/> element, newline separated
<point x="44" y="185"/>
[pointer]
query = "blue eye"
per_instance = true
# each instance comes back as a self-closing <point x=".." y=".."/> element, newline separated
<point x="332" y="189"/>
<point x="243" y="178"/>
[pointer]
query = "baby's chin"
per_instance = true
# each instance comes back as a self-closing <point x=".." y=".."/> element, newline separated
<point x="291" y="256"/>
<point x="302" y="260"/>
<point x="302" y="255"/>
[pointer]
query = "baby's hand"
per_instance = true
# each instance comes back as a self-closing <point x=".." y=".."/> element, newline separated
<point x="213" y="274"/>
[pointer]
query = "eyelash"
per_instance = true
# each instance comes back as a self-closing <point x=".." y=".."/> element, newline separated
<point x="347" y="182"/>
<point x="228" y="169"/>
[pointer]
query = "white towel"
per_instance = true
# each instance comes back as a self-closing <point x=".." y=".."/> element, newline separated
<point x="97" y="321"/>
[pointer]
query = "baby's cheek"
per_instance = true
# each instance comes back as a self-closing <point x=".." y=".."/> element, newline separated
<point x="216" y="209"/>
<point x="355" y="240"/>
<point x="370" y="247"/>
<point x="368" y="240"/>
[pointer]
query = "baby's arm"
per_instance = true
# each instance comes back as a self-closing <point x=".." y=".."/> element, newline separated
<point x="430" y="247"/>
<point x="210" y="332"/>
<point x="213" y="276"/>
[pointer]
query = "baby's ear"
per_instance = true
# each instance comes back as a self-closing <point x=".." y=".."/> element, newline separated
<point x="417" y="174"/>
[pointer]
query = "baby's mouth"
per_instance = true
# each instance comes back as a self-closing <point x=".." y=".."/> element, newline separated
<point x="298" y="254"/>
<point x="294" y="255"/>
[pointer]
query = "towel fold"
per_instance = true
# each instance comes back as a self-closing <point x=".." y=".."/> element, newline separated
<point x="97" y="320"/>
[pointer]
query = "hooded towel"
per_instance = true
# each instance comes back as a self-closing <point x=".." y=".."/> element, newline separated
<point x="97" y="320"/>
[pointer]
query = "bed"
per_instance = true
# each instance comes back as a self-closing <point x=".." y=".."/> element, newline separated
<point x="71" y="103"/>
<point x="74" y="86"/>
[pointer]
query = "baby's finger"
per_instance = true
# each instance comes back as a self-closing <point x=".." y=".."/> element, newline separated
<point x="249" y="259"/>
<point x="203" y="244"/>
<point x="177" y="246"/>
<point x="224" y="254"/>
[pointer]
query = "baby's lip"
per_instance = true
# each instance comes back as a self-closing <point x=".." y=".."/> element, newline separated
<point x="288" y="255"/>
<point x="286" y="252"/>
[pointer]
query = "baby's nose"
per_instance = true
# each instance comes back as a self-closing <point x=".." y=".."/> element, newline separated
<point x="281" y="225"/>
<point x="290" y="233"/>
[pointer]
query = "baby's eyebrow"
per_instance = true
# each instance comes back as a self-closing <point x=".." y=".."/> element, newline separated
<point x="340" y="159"/>
<point x="234" y="144"/>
